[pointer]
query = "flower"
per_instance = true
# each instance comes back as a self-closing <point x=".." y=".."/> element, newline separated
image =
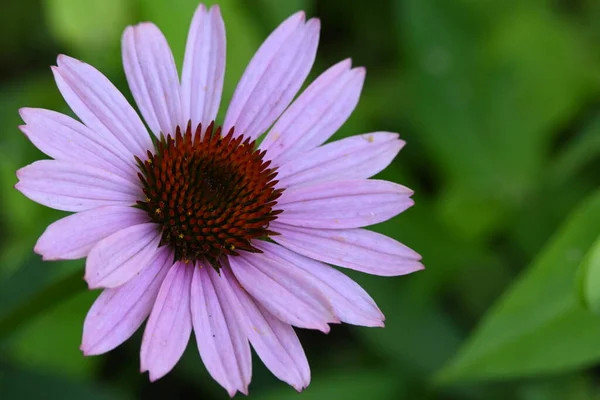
<point x="199" y="228"/>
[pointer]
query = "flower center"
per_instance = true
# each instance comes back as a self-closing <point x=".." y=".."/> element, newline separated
<point x="211" y="194"/>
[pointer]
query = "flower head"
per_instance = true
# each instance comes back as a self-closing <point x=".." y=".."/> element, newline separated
<point x="197" y="228"/>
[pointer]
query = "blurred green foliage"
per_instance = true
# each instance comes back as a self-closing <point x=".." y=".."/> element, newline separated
<point x="499" y="102"/>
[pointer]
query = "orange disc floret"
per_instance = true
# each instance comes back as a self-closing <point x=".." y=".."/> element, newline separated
<point x="211" y="194"/>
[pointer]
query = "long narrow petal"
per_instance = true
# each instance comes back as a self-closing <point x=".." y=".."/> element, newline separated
<point x="273" y="76"/>
<point x="284" y="290"/>
<point x="170" y="324"/>
<point x="356" y="157"/>
<point x="117" y="313"/>
<point x="221" y="340"/>
<point x="74" y="236"/>
<point x="74" y="187"/>
<point x="100" y="105"/>
<point x="275" y="342"/>
<point x="203" y="67"/>
<point x="343" y="204"/>
<point x="152" y="76"/>
<point x="317" y="114"/>
<point x="122" y="255"/>
<point x="350" y="302"/>
<point x="358" y="249"/>
<point x="65" y="139"/>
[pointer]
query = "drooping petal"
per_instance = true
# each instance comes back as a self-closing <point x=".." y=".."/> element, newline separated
<point x="275" y="342"/>
<point x="65" y="139"/>
<point x="119" y="257"/>
<point x="273" y="76"/>
<point x="152" y="77"/>
<point x="117" y="313"/>
<point x="317" y="114"/>
<point x="203" y="67"/>
<point x="356" y="157"/>
<point x="170" y="324"/>
<point x="74" y="236"/>
<point x="358" y="249"/>
<point x="289" y="294"/>
<point x="221" y="341"/>
<point x="343" y="204"/>
<point x="350" y="302"/>
<point x="100" y="105"/>
<point x="74" y="187"/>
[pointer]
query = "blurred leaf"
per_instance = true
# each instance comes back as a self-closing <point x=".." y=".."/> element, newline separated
<point x="275" y="11"/>
<point x="91" y="28"/>
<point x="37" y="303"/>
<point x="51" y="341"/>
<point x="538" y="326"/>
<point x="485" y="99"/>
<point x="347" y="385"/>
<point x="578" y="153"/>
<point x="576" y="387"/>
<point x="589" y="278"/>
<point x="26" y="384"/>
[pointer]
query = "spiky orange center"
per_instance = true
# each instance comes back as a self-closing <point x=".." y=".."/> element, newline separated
<point x="212" y="195"/>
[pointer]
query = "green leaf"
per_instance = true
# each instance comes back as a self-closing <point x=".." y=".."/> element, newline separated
<point x="91" y="28"/>
<point x="589" y="278"/>
<point x="578" y="153"/>
<point x="486" y="99"/>
<point x="51" y="341"/>
<point x="19" y="383"/>
<point x="347" y="385"/>
<point x="538" y="326"/>
<point x="40" y="302"/>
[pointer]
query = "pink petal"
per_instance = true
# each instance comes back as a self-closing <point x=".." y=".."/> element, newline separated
<point x="317" y="114"/>
<point x="275" y="342"/>
<point x="343" y="204"/>
<point x="119" y="312"/>
<point x="221" y="340"/>
<point x="152" y="76"/>
<point x="170" y="324"/>
<point x="74" y="236"/>
<point x="100" y="105"/>
<point x="74" y="187"/>
<point x="358" y="249"/>
<point x="350" y="302"/>
<point x="118" y="258"/>
<point x="203" y="67"/>
<point x="292" y="296"/>
<point x="273" y="76"/>
<point x="356" y="157"/>
<point x="65" y="139"/>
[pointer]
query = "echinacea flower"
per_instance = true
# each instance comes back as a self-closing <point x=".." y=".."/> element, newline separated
<point x="198" y="227"/>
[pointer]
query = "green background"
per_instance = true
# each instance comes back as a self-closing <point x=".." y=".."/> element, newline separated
<point x="499" y="102"/>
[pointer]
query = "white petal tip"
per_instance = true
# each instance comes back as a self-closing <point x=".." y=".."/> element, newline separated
<point x="153" y="376"/>
<point x="300" y="388"/>
<point x="91" y="284"/>
<point x="24" y="111"/>
<point x="63" y="59"/>
<point x="314" y="23"/>
<point x="88" y="352"/>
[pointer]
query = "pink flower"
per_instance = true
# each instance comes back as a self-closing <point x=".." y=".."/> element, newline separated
<point x="198" y="228"/>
